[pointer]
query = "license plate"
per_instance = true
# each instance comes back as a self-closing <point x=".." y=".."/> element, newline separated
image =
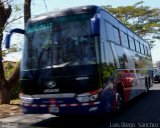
<point x="53" y="109"/>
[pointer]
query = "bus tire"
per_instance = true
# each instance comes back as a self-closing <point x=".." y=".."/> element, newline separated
<point x="147" y="83"/>
<point x="119" y="100"/>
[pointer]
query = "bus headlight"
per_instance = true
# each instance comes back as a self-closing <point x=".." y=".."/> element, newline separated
<point x="27" y="101"/>
<point x="83" y="98"/>
<point x="87" y="98"/>
<point x="93" y="97"/>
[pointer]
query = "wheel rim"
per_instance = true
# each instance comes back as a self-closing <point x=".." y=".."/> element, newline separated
<point x="119" y="101"/>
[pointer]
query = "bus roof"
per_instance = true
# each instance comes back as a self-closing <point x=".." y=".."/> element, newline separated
<point x="68" y="11"/>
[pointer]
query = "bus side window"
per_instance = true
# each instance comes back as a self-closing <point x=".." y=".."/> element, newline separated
<point x="124" y="39"/>
<point x="132" y="43"/>
<point x="142" y="48"/>
<point x="109" y="54"/>
<point x="117" y="35"/>
<point x="108" y="62"/>
<point x="109" y="31"/>
<point x="121" y="57"/>
<point x="137" y="46"/>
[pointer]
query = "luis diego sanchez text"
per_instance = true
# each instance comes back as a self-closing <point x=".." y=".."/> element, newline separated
<point x="134" y="125"/>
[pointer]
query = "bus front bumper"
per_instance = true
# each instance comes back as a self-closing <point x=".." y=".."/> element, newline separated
<point x="61" y="109"/>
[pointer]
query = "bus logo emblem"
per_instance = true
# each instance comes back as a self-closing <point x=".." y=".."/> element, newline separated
<point x="51" y="84"/>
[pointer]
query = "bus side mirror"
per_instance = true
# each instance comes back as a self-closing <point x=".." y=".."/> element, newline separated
<point x="7" y="41"/>
<point x="95" y="25"/>
<point x="8" y="36"/>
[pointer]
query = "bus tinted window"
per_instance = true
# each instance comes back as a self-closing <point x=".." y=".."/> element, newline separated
<point x="137" y="46"/>
<point x="145" y="50"/>
<point x="121" y="56"/>
<point x="110" y="34"/>
<point x="109" y="55"/>
<point x="142" y="48"/>
<point x="117" y="35"/>
<point x="131" y="43"/>
<point x="124" y="39"/>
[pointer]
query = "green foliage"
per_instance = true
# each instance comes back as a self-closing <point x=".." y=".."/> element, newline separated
<point x="143" y="20"/>
<point x="16" y="91"/>
<point x="15" y="48"/>
<point x="17" y="8"/>
<point x="9" y="68"/>
<point x="107" y="70"/>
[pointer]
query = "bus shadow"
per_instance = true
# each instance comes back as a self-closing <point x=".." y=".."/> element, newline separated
<point x="75" y="122"/>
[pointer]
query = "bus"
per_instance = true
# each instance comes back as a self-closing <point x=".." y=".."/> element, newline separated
<point x="81" y="60"/>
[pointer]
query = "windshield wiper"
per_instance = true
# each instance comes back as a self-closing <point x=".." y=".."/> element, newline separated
<point x="60" y="65"/>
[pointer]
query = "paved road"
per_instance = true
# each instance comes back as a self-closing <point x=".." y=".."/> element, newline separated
<point x="143" y="112"/>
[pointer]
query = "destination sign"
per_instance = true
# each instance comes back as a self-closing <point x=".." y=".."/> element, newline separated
<point x="39" y="27"/>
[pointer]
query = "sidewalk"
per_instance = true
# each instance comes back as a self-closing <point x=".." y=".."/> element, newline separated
<point x="156" y="86"/>
<point x="23" y="121"/>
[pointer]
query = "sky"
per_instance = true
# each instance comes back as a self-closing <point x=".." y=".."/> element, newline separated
<point x="43" y="6"/>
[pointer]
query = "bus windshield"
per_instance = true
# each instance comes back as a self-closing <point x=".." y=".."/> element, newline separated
<point x="58" y="42"/>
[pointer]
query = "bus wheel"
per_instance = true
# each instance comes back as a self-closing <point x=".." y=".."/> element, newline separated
<point x="147" y="85"/>
<point x="119" y="101"/>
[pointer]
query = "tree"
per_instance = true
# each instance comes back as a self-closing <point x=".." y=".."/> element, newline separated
<point x="143" y="20"/>
<point x="7" y="84"/>
<point x="27" y="10"/>
<point x="5" y="13"/>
